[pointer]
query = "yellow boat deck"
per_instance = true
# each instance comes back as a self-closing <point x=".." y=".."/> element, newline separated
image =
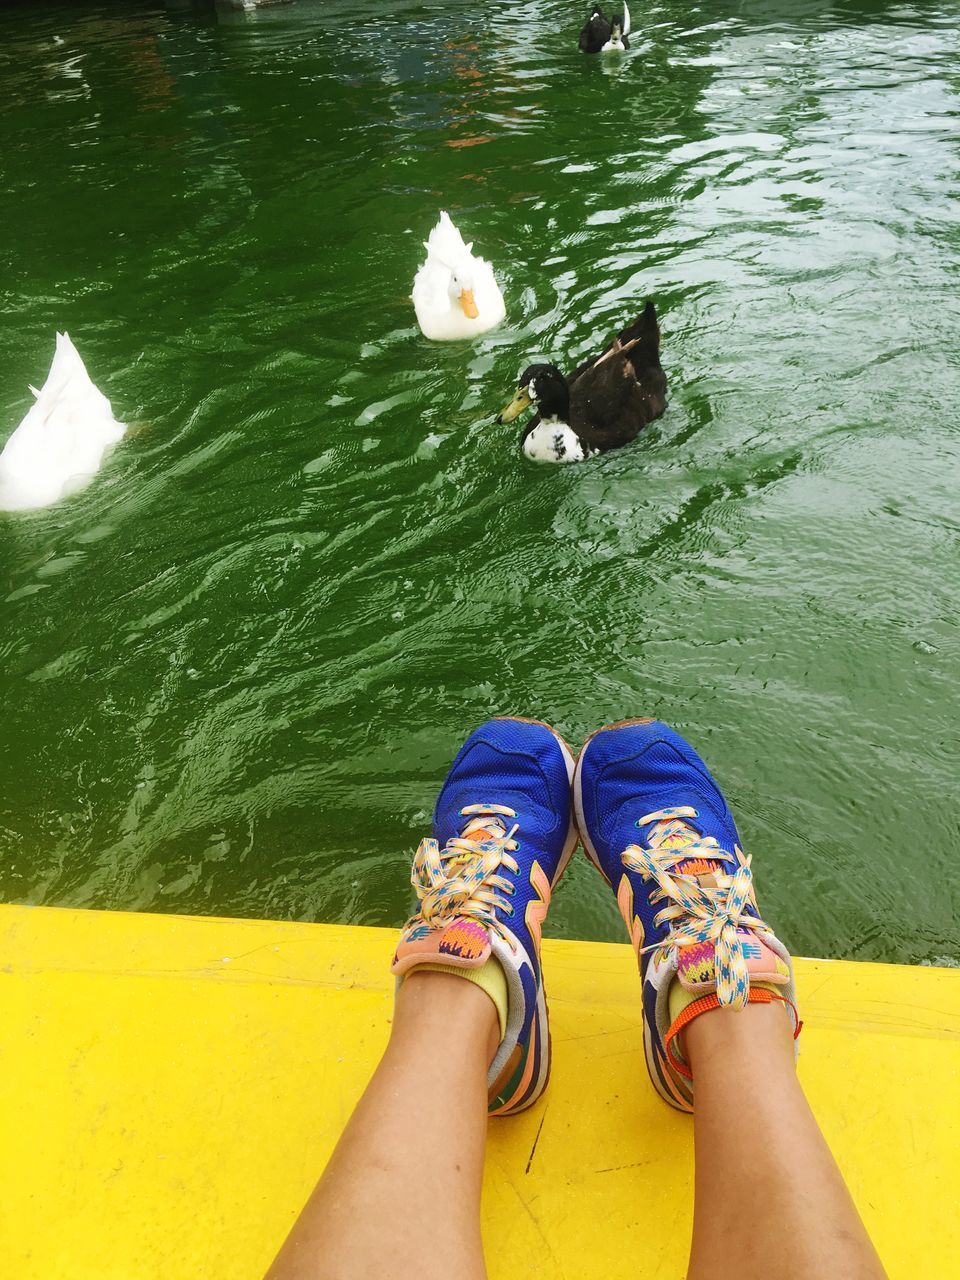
<point x="170" y="1088"/>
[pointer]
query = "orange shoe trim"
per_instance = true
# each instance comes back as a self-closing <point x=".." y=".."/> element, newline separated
<point x="536" y="911"/>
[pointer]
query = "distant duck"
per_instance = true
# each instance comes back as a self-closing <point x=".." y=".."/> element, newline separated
<point x="455" y="294"/>
<point x="601" y="34"/>
<point x="603" y="404"/>
<point x="61" y="442"/>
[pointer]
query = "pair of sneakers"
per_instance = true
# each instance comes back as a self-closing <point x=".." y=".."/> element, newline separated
<point x="653" y="821"/>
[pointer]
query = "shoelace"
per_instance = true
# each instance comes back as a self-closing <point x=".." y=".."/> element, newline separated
<point x="698" y="912"/>
<point x="462" y="878"/>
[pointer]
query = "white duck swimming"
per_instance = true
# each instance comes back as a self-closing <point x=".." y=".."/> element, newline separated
<point x="455" y="294"/>
<point x="61" y="442"/>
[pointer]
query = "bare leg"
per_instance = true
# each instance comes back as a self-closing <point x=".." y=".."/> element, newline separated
<point x="401" y="1194"/>
<point x="770" y="1201"/>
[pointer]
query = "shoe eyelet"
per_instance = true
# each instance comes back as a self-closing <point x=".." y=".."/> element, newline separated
<point x="517" y="846"/>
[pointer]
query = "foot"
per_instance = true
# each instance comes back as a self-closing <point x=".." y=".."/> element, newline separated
<point x="656" y="825"/>
<point x="503" y="834"/>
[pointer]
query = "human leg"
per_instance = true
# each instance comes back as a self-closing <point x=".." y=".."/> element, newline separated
<point x="784" y="1209"/>
<point x="415" y="1141"/>
<point x="769" y="1198"/>
<point x="502" y="837"/>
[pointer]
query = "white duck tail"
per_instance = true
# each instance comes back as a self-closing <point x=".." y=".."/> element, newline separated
<point x="61" y="442"/>
<point x="626" y="19"/>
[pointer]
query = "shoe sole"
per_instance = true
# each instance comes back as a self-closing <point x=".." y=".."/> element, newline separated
<point x="588" y="846"/>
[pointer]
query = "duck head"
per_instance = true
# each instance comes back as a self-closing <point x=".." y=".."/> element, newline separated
<point x="544" y="386"/>
<point x="460" y="286"/>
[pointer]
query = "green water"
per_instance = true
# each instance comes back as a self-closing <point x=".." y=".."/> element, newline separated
<point x="235" y="668"/>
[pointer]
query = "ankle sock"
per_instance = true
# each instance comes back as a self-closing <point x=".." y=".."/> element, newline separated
<point x="489" y="978"/>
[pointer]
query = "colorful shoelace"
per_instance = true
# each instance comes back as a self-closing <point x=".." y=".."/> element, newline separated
<point x="462" y="879"/>
<point x="699" y="912"/>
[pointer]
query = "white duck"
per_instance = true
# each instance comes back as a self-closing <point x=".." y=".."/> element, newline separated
<point x="455" y="294"/>
<point x="61" y="442"/>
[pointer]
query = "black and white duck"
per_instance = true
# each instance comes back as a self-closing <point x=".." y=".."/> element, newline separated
<point x="602" y="35"/>
<point x="603" y="404"/>
<point x="619" y="31"/>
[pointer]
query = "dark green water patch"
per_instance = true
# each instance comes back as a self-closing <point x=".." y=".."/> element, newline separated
<point x="235" y="668"/>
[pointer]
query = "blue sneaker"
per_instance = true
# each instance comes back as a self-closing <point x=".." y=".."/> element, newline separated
<point x="654" y="822"/>
<point x="503" y="834"/>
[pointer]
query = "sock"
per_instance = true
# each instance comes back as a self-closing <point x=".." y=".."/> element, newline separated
<point x="489" y="978"/>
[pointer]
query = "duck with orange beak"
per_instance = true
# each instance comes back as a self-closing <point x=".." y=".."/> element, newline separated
<point x="455" y="293"/>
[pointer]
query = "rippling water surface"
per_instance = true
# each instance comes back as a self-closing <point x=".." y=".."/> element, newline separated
<point x="236" y="666"/>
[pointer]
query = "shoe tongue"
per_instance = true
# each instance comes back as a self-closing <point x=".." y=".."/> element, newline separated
<point x="702" y="869"/>
<point x="476" y="831"/>
<point x="461" y="944"/>
<point x="677" y="840"/>
<point x="479" y="829"/>
<point x="697" y="970"/>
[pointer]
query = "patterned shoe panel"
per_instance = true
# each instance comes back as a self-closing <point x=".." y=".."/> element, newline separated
<point x="503" y="835"/>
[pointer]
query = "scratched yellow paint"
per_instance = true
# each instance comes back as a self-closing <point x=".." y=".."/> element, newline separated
<point x="170" y="1088"/>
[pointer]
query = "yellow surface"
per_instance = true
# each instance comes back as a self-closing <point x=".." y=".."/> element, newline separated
<point x="171" y="1087"/>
